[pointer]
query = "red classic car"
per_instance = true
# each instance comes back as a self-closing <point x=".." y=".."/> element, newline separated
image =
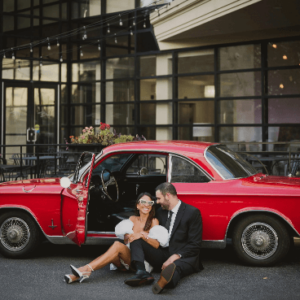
<point x="258" y="214"/>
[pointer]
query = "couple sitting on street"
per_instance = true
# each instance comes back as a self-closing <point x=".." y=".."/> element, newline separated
<point x="173" y="247"/>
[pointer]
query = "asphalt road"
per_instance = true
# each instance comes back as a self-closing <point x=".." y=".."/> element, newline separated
<point x="224" y="277"/>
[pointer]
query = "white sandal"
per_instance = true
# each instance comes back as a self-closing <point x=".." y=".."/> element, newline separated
<point x="82" y="275"/>
<point x="68" y="279"/>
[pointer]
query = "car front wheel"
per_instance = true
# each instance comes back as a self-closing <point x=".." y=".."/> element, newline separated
<point x="260" y="240"/>
<point x="19" y="234"/>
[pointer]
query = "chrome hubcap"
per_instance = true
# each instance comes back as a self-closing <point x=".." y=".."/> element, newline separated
<point x="14" y="234"/>
<point x="259" y="240"/>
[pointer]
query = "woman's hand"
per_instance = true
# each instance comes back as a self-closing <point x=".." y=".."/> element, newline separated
<point x="144" y="235"/>
<point x="134" y="236"/>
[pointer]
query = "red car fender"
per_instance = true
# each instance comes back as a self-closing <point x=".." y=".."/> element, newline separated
<point x="262" y="210"/>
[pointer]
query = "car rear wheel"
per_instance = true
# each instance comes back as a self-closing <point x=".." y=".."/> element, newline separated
<point x="19" y="234"/>
<point x="260" y="240"/>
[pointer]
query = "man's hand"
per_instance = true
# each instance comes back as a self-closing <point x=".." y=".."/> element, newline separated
<point x="134" y="236"/>
<point x="170" y="260"/>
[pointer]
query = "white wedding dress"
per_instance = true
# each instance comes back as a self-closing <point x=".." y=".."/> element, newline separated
<point x="157" y="232"/>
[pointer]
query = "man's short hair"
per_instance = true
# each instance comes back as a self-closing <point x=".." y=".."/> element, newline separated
<point x="165" y="188"/>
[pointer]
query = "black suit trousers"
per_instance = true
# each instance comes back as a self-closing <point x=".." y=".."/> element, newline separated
<point x="141" y="251"/>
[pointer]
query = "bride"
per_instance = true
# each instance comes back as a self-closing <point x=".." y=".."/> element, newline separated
<point x="142" y="226"/>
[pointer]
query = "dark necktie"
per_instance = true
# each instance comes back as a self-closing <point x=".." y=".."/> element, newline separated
<point x="168" y="223"/>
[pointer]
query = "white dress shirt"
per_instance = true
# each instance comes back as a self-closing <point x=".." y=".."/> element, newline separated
<point x="175" y="211"/>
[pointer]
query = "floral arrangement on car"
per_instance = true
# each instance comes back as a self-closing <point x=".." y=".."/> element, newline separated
<point x="104" y="136"/>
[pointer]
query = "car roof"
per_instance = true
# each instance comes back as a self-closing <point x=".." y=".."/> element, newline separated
<point x="170" y="146"/>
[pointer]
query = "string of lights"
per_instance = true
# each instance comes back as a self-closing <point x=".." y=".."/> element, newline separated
<point x="84" y="30"/>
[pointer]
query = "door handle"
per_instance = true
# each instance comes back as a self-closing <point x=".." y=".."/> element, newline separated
<point x="35" y="135"/>
<point x="27" y="131"/>
<point x="137" y="188"/>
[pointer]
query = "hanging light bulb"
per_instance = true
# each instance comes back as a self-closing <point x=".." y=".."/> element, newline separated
<point x="84" y="37"/>
<point x="144" y="25"/>
<point x="116" y="39"/>
<point x="61" y="59"/>
<point x="4" y="56"/>
<point x="13" y="55"/>
<point x="49" y="46"/>
<point x="131" y="33"/>
<point x="121" y="22"/>
<point x="108" y="30"/>
<point x="81" y="53"/>
<point x="41" y="62"/>
<point x="57" y="42"/>
<point x="99" y="46"/>
<point x="31" y="50"/>
<point x="133" y="23"/>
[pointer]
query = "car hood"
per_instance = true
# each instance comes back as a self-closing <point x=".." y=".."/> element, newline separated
<point x="40" y="185"/>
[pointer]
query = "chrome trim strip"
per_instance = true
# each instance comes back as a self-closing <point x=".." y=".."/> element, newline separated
<point x="259" y="210"/>
<point x="218" y="244"/>
<point x="58" y="115"/>
<point x="2" y="106"/>
<point x="59" y="240"/>
<point x="101" y="232"/>
<point x="25" y="191"/>
<point x="170" y="168"/>
<point x="146" y="150"/>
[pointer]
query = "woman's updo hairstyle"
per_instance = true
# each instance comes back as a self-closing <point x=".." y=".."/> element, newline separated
<point x="152" y="212"/>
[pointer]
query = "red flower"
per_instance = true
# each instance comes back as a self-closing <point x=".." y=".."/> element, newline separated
<point x="101" y="123"/>
<point x="107" y="126"/>
<point x="102" y="127"/>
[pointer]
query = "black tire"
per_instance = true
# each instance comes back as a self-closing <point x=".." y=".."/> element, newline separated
<point x="260" y="240"/>
<point x="19" y="234"/>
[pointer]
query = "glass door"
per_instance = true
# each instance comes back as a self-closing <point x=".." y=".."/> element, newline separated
<point x="30" y="115"/>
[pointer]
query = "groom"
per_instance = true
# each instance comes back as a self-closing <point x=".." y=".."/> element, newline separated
<point x="181" y="258"/>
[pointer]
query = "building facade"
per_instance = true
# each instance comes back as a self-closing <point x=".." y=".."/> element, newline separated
<point x="159" y="73"/>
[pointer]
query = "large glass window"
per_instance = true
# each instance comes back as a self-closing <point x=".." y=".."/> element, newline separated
<point x="196" y="133"/>
<point x="156" y="65"/>
<point x="117" y="5"/>
<point x="156" y="113"/>
<point x="120" y="114"/>
<point x="240" y="84"/>
<point x="85" y="115"/>
<point x="240" y="57"/>
<point x="86" y="71"/>
<point x="85" y="94"/>
<point x="120" y="91"/>
<point x="196" y="61"/>
<point x="193" y="87"/>
<point x="156" y="89"/>
<point x="120" y="68"/>
<point x="240" y="111"/>
<point x="283" y="54"/>
<point x="196" y="112"/>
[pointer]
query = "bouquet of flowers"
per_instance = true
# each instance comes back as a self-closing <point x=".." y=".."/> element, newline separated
<point x="103" y="136"/>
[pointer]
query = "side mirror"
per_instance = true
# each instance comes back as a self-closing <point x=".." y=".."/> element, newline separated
<point x="65" y="182"/>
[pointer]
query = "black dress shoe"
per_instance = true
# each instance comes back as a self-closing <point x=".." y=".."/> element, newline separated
<point x="141" y="277"/>
<point x="165" y="277"/>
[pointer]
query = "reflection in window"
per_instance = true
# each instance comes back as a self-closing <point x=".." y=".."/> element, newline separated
<point x="16" y="69"/>
<point x="240" y="84"/>
<point x="240" y="57"/>
<point x="120" y="68"/>
<point x="196" y="112"/>
<point x="156" y="89"/>
<point x="196" y="133"/>
<point x="156" y="113"/>
<point x="283" y="134"/>
<point x="120" y="114"/>
<point x="193" y="87"/>
<point x="184" y="171"/>
<point x="284" y="110"/>
<point x="86" y="71"/>
<point x="242" y="134"/>
<point x="284" y="82"/>
<point x="196" y="61"/>
<point x="47" y="72"/>
<point x="120" y="91"/>
<point x="284" y="54"/>
<point x="86" y="93"/>
<point x="84" y="9"/>
<point x="240" y="111"/>
<point x="156" y="65"/>
<point x="157" y="133"/>
<point x="124" y="45"/>
<point x="85" y="115"/>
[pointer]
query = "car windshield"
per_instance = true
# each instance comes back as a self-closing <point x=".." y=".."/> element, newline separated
<point x="228" y="163"/>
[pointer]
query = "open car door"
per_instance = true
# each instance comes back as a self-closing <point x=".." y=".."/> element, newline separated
<point x="75" y="200"/>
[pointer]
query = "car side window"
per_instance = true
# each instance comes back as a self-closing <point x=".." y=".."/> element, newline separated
<point x="184" y="171"/>
<point x="148" y="164"/>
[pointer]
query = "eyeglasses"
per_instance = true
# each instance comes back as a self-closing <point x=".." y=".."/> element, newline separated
<point x="142" y="201"/>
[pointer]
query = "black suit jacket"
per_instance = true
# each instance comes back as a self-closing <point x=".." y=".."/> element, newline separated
<point x="186" y="236"/>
